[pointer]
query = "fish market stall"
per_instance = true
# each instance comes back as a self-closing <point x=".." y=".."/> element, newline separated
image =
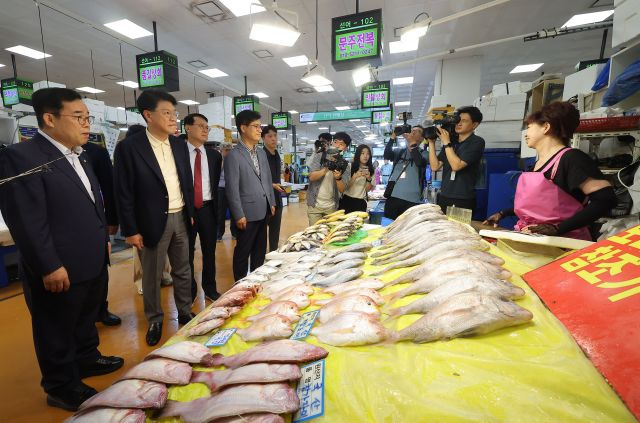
<point x="327" y="333"/>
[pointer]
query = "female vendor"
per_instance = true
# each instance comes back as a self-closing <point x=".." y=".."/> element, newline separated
<point x="362" y="172"/>
<point x="565" y="192"/>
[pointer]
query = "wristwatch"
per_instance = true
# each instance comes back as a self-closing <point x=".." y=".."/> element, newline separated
<point x="448" y="146"/>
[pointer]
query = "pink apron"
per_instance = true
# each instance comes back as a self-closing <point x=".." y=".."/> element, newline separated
<point x="538" y="200"/>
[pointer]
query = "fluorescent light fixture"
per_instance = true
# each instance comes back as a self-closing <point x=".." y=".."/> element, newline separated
<point x="213" y="73"/>
<point x="297" y="61"/>
<point x="312" y="123"/>
<point x="273" y="34"/>
<point x="322" y="128"/>
<point x="1" y="65"/>
<point x="402" y="103"/>
<point x="332" y="132"/>
<point x="129" y="84"/>
<point x="90" y="90"/>
<point x="124" y="129"/>
<point x="128" y="29"/>
<point x="243" y="7"/>
<point x="371" y="136"/>
<point x="259" y="95"/>
<point x="316" y="78"/>
<point x="526" y="68"/>
<point x="120" y="108"/>
<point x="414" y="31"/>
<point x="355" y="120"/>
<point x="403" y="81"/>
<point x="342" y="107"/>
<point x="587" y="18"/>
<point x="29" y="52"/>
<point x="361" y="76"/>
<point x="324" y="88"/>
<point x="361" y="126"/>
<point x="403" y="46"/>
<point x="188" y="102"/>
<point x="294" y="112"/>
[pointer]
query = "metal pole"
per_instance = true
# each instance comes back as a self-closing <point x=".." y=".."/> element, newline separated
<point x="281" y="103"/>
<point x="93" y="73"/>
<point x="13" y="63"/>
<point x="604" y="42"/>
<point x="357" y="7"/>
<point x="155" y="37"/>
<point x="293" y="143"/>
<point x="245" y="85"/>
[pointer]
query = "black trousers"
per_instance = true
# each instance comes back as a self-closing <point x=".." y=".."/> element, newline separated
<point x="465" y="203"/>
<point x="274" y="229"/>
<point x="64" y="330"/>
<point x="351" y="204"/>
<point x="223" y="206"/>
<point x="104" y="306"/>
<point x="251" y="247"/>
<point x="206" y="227"/>
<point x="394" y="207"/>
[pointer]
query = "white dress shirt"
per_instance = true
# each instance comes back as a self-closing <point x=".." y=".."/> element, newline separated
<point x="164" y="156"/>
<point x="73" y="156"/>
<point x="206" y="180"/>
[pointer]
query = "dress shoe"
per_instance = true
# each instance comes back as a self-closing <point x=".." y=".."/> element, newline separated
<point x="70" y="398"/>
<point x="111" y="319"/>
<point x="101" y="366"/>
<point x="211" y="297"/>
<point x="184" y="319"/>
<point x="154" y="333"/>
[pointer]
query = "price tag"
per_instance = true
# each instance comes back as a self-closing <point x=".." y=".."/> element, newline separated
<point x="377" y="243"/>
<point x="305" y="324"/>
<point x="310" y="390"/>
<point x="220" y="337"/>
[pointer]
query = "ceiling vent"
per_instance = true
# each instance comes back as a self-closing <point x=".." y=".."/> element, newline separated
<point x="305" y="90"/>
<point x="112" y="77"/>
<point x="210" y="11"/>
<point x="198" y="64"/>
<point x="262" y="54"/>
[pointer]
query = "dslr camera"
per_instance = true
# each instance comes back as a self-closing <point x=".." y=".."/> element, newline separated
<point x="332" y="159"/>
<point x="446" y="121"/>
<point x="404" y="128"/>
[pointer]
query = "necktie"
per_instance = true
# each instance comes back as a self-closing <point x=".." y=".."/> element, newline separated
<point x="197" y="180"/>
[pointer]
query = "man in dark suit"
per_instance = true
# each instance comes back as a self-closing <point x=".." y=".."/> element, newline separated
<point x="270" y="139"/>
<point x="250" y="194"/>
<point x="205" y="164"/>
<point x="103" y="169"/>
<point x="154" y="195"/>
<point x="57" y="220"/>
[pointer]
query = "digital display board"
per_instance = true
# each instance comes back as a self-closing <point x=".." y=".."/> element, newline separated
<point x="356" y="39"/>
<point x="15" y="90"/>
<point x="158" y="69"/>
<point x="376" y="94"/>
<point x="281" y="120"/>
<point x="381" y="116"/>
<point x="335" y="115"/>
<point x="245" y="102"/>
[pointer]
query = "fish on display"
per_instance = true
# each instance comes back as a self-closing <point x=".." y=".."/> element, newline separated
<point x="109" y="415"/>
<point x="205" y="327"/>
<point x="361" y="246"/>
<point x="277" y="398"/>
<point x="304" y="288"/>
<point x="353" y="255"/>
<point x="186" y="351"/>
<point x="253" y="373"/>
<point x="367" y="292"/>
<point x="161" y="370"/>
<point x="214" y="313"/>
<point x="340" y="277"/>
<point x="237" y="298"/>
<point x="464" y="315"/>
<point x="296" y="296"/>
<point x="255" y="277"/>
<point x="282" y="284"/>
<point x="287" y="309"/>
<point x="253" y="286"/>
<point x="351" y="329"/>
<point x="273" y="326"/>
<point x="358" y="283"/>
<point x="330" y="269"/>
<point x="282" y="351"/>
<point x="131" y="393"/>
<point x="340" y="305"/>
<point x="274" y="263"/>
<point x="266" y="270"/>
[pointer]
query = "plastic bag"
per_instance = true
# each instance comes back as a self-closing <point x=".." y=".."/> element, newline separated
<point x="603" y="77"/>
<point x="625" y="85"/>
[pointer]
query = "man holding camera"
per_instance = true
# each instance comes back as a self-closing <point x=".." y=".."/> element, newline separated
<point x="328" y="178"/>
<point x="459" y="161"/>
<point x="404" y="187"/>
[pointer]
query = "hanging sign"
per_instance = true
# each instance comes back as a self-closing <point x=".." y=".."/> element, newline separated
<point x="376" y="94"/>
<point x="382" y="116"/>
<point x="16" y="90"/>
<point x="245" y="102"/>
<point x="281" y="120"/>
<point x="158" y="69"/>
<point x="356" y="40"/>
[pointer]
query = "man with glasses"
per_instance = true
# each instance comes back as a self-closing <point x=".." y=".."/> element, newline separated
<point x="205" y="164"/>
<point x="249" y="191"/>
<point x="154" y="195"/>
<point x="270" y="139"/>
<point x="57" y="220"/>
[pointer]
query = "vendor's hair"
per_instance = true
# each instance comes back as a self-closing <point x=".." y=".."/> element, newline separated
<point x="563" y="118"/>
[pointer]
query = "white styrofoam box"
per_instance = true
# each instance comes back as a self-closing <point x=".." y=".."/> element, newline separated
<point x="525" y="86"/>
<point x="580" y="82"/>
<point x="44" y="84"/>
<point x="218" y="111"/>
<point x="477" y="102"/>
<point x="600" y="112"/>
<point x="499" y="89"/>
<point x="488" y="108"/>
<point x="510" y="107"/>
<point x="499" y="132"/>
<point x="626" y="23"/>
<point x="525" y="150"/>
<point x="132" y="117"/>
<point x="121" y="116"/>
<point x="111" y="114"/>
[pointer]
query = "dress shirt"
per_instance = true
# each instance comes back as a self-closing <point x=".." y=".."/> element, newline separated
<point x="164" y="155"/>
<point x="254" y="155"/>
<point x="204" y="166"/>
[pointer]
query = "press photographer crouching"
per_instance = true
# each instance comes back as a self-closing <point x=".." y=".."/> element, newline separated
<point x="459" y="159"/>
<point x="329" y="174"/>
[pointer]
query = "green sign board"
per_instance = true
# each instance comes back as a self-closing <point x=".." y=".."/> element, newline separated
<point x="16" y="90"/>
<point x="245" y="102"/>
<point x="376" y="94"/>
<point x="158" y="69"/>
<point x="281" y="120"/>
<point x="356" y="40"/>
<point x="382" y="116"/>
<point x="132" y="109"/>
<point x="335" y="115"/>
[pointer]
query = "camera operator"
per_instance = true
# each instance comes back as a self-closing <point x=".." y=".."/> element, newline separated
<point x="459" y="161"/>
<point x="407" y="175"/>
<point x="329" y="175"/>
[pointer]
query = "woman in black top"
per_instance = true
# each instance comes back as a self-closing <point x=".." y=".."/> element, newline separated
<point x="362" y="172"/>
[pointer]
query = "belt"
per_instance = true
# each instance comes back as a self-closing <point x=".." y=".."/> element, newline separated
<point x="206" y="203"/>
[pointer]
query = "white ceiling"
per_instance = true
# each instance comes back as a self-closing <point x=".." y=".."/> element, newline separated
<point x="73" y="28"/>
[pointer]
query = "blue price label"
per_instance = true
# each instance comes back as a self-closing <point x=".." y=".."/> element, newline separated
<point x="305" y="324"/>
<point x="220" y="337"/>
<point x="310" y="390"/>
<point x="377" y="243"/>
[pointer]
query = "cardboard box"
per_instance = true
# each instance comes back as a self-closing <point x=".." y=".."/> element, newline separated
<point x="580" y="82"/>
<point x="488" y="109"/>
<point x="543" y="93"/>
<point x="510" y="107"/>
<point x="505" y="134"/>
<point x="626" y="23"/>
<point x="499" y="89"/>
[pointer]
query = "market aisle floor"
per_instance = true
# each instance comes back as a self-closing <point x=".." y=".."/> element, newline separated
<point x="22" y="398"/>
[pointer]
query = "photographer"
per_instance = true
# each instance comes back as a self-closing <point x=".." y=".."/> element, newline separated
<point x="459" y="161"/>
<point x="328" y="177"/>
<point x="404" y="188"/>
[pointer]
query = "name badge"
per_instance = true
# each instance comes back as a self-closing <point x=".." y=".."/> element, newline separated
<point x="453" y="175"/>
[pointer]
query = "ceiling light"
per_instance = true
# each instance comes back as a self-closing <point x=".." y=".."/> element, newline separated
<point x="259" y="95"/>
<point x="415" y="31"/>
<point x="324" y="88"/>
<point x="128" y="29"/>
<point x="294" y="112"/>
<point x="188" y="102"/>
<point x="312" y="123"/>
<point x="342" y="107"/>
<point x="213" y="73"/>
<point x="29" y="52"/>
<point x="90" y="90"/>
<point x="354" y="120"/>
<point x="322" y="128"/>
<point x="316" y="76"/>
<point x="361" y="76"/>
<point x="243" y="7"/>
<point x="1" y="65"/>
<point x="587" y="18"/>
<point x="403" y="46"/>
<point x="402" y="103"/>
<point x="332" y="132"/>
<point x="296" y="61"/>
<point x="120" y="108"/>
<point x="129" y="84"/>
<point x="403" y="81"/>
<point x="273" y="34"/>
<point x="124" y="129"/>
<point x="526" y="68"/>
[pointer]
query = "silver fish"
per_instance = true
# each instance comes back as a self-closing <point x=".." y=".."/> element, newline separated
<point x="187" y="351"/>
<point x="361" y="246"/>
<point x="266" y="270"/>
<point x="351" y="329"/>
<point x="282" y="351"/>
<point x="111" y="415"/>
<point x="344" y="265"/>
<point x="367" y="292"/>
<point x="340" y="305"/>
<point x="161" y="370"/>
<point x="358" y="283"/>
<point x="347" y="256"/>
<point x="253" y="373"/>
<point x="340" y="277"/>
<point x="267" y="328"/>
<point x="131" y="393"/>
<point x="274" y="263"/>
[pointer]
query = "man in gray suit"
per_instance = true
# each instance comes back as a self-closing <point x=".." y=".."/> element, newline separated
<point x="249" y="193"/>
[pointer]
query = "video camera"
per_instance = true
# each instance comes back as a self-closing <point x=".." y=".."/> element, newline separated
<point x="332" y="159"/>
<point x="446" y="118"/>
<point x="404" y="128"/>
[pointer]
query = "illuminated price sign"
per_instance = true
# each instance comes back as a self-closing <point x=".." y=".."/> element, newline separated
<point x="382" y="116"/>
<point x="376" y="94"/>
<point x="158" y="69"/>
<point x="281" y="120"/>
<point x="356" y="40"/>
<point x="245" y="102"/>
<point x="16" y="91"/>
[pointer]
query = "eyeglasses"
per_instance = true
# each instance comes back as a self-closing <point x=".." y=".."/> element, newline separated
<point x="257" y="126"/>
<point x="168" y="113"/>
<point x="81" y="119"/>
<point x="203" y="127"/>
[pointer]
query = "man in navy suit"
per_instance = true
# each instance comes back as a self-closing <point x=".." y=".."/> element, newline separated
<point x="205" y="164"/>
<point x="154" y="196"/>
<point x="57" y="220"/>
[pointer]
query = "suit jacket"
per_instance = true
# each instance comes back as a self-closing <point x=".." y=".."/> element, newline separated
<point x="214" y="160"/>
<point x="249" y="194"/>
<point x="102" y="167"/>
<point x="142" y="198"/>
<point x="50" y="215"/>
